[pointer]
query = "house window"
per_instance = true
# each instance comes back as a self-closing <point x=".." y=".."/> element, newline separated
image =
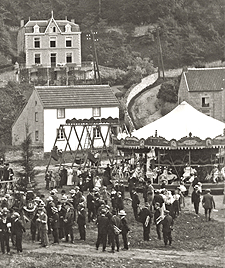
<point x="68" y="57"/>
<point x="205" y="102"/>
<point x="53" y="59"/>
<point x="52" y="41"/>
<point x="61" y="113"/>
<point x="60" y="134"/>
<point x="36" y="42"/>
<point x="36" y="116"/>
<point x="36" y="135"/>
<point x="36" y="28"/>
<point x="37" y="58"/>
<point x="96" y="132"/>
<point x="96" y="111"/>
<point x="53" y="29"/>
<point x="68" y="42"/>
<point x="35" y="103"/>
<point x="67" y="28"/>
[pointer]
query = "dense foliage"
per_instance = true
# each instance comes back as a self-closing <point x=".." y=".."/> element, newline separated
<point x="189" y="30"/>
<point x="13" y="98"/>
<point x="168" y="91"/>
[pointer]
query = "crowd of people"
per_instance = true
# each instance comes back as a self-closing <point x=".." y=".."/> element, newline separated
<point x="98" y="200"/>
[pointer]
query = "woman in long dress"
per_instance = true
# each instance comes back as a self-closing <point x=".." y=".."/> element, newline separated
<point x="70" y="176"/>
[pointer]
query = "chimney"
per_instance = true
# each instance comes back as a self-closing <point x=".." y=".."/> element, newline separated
<point x="21" y="23"/>
<point x="65" y="17"/>
<point x="73" y="20"/>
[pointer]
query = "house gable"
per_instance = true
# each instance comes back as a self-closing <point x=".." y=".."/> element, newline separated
<point x="31" y="116"/>
<point x="50" y="27"/>
<point x="204" y="89"/>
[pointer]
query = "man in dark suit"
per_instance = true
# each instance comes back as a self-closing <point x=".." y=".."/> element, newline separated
<point x="208" y="203"/>
<point x="18" y="231"/>
<point x="167" y="228"/>
<point x="55" y="225"/>
<point x="195" y="198"/>
<point x="90" y="205"/>
<point x="135" y="203"/>
<point x="5" y="230"/>
<point x="114" y="239"/>
<point x="144" y="217"/>
<point x="81" y="221"/>
<point x="124" y="227"/>
<point x="103" y="225"/>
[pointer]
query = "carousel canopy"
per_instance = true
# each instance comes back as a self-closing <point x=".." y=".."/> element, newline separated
<point x="180" y="122"/>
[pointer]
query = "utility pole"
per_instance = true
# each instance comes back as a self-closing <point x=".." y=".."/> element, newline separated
<point x="97" y="75"/>
<point x="99" y="8"/>
<point x="160" y="53"/>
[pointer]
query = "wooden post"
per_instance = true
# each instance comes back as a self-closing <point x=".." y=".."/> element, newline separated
<point x="160" y="53"/>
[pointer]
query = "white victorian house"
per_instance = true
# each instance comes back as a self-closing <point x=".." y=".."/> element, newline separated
<point x="51" y="106"/>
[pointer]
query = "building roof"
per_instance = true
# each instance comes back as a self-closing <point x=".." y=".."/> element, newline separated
<point x="181" y="121"/>
<point x="77" y="96"/>
<point x="205" y="79"/>
<point x="44" y="23"/>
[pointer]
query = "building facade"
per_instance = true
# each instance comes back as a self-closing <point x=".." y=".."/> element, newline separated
<point x="49" y="107"/>
<point x="204" y="89"/>
<point x="52" y="50"/>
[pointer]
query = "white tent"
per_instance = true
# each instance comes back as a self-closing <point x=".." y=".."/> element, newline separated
<point x="180" y="122"/>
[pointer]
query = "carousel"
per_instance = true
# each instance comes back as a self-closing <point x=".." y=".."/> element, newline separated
<point x="181" y="146"/>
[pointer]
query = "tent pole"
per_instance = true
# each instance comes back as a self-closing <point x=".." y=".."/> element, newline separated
<point x="189" y="157"/>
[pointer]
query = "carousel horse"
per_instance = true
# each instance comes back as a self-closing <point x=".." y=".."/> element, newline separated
<point x="188" y="171"/>
<point x="166" y="178"/>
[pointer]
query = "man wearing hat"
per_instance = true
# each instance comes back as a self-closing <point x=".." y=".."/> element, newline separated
<point x="158" y="218"/>
<point x="208" y="203"/>
<point x="53" y="193"/>
<point x="68" y="218"/>
<point x="124" y="227"/>
<point x="81" y="221"/>
<point x="5" y="230"/>
<point x="135" y="203"/>
<point x="55" y="225"/>
<point x="195" y="198"/>
<point x="167" y="228"/>
<point x="103" y="225"/>
<point x="145" y="216"/>
<point x="18" y="231"/>
<point x="90" y="205"/>
<point x="114" y="223"/>
<point x="43" y="226"/>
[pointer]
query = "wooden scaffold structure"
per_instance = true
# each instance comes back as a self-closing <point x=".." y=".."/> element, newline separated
<point x="80" y="136"/>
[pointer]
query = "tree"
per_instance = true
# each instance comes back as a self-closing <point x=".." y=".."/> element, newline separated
<point x="168" y="91"/>
<point x="27" y="162"/>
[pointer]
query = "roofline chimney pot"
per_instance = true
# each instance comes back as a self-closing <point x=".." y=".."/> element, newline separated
<point x="21" y="23"/>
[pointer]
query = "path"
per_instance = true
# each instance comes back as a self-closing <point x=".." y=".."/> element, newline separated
<point x="213" y="257"/>
<point x="144" y="110"/>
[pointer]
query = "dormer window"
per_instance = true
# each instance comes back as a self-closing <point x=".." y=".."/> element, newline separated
<point x="36" y="28"/>
<point x="68" y="28"/>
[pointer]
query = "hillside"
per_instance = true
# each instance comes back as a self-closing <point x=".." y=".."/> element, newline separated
<point x="190" y="31"/>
